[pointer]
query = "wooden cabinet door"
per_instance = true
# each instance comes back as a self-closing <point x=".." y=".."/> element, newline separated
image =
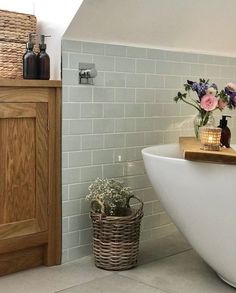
<point x="23" y="169"/>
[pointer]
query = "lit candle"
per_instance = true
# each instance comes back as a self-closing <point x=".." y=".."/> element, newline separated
<point x="210" y="138"/>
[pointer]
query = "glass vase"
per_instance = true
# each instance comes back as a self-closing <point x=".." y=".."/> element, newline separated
<point x="201" y="119"/>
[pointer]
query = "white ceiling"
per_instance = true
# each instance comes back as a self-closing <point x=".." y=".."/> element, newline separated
<point x="187" y="25"/>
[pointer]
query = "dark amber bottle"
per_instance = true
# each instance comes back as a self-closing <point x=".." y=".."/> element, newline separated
<point x="30" y="69"/>
<point x="225" y="133"/>
<point x="43" y="60"/>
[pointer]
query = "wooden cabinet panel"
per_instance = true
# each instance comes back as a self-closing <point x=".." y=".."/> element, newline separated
<point x="30" y="196"/>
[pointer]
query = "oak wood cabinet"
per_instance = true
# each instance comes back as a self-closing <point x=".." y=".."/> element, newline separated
<point x="30" y="174"/>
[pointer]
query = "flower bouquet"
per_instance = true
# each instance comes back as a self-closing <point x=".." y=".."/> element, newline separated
<point x="209" y="98"/>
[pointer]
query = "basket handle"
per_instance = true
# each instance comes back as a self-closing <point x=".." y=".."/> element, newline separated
<point x="140" y="209"/>
<point x="100" y="203"/>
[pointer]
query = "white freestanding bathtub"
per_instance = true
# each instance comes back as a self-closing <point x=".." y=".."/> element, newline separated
<point x="201" y="200"/>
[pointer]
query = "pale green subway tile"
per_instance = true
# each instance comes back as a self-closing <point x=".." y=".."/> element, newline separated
<point x="164" y="231"/>
<point x="125" y="154"/>
<point x="78" y="252"/>
<point x="171" y="136"/>
<point x="79" y="222"/>
<point x="77" y="159"/>
<point x="92" y="48"/>
<point x="147" y="209"/>
<point x="75" y="59"/>
<point x="65" y="60"/>
<point x="149" y="195"/>
<point x="70" y="77"/>
<point x="113" y="171"/>
<point x="182" y="69"/>
<point x="153" y="138"/>
<point x="71" y="143"/>
<point x="174" y="56"/>
<point x="125" y="125"/>
<point x="70" y="111"/>
<point x="164" y="67"/>
<point x="99" y="80"/>
<point x="156" y="207"/>
<point x="113" y="110"/>
<point x="213" y="71"/>
<point x="136" y="52"/>
<point x="80" y="126"/>
<point x="139" y="153"/>
<point x="154" y="81"/>
<point x="91" y="173"/>
<point x="156" y="54"/>
<point x="164" y="219"/>
<point x="104" y="63"/>
<point x="114" y="79"/>
<point x="65" y="127"/>
<point x="190" y="57"/>
<point x="85" y="206"/>
<point x="103" y="125"/>
<point x="71" y="240"/>
<point x="124" y="95"/>
<point x="144" y="236"/>
<point x="162" y="123"/>
<point x="171" y="109"/>
<point x="145" y="66"/>
<point x="227" y="71"/>
<point x="65" y="225"/>
<point x="86" y="236"/>
<point x="65" y="192"/>
<point x="232" y="61"/>
<point x="101" y="94"/>
<point x="102" y="157"/>
<point x="70" y="176"/>
<point x="91" y="110"/>
<point x="153" y="110"/>
<point x="65" y="94"/>
<point x="221" y="60"/>
<point x="114" y="140"/>
<point x="65" y="160"/>
<point x="173" y="82"/>
<point x="71" y="46"/>
<point x="134" y="139"/>
<point x="145" y="95"/>
<point x="70" y="208"/>
<point x="115" y="50"/>
<point x="92" y="142"/>
<point x="198" y="69"/>
<point x="78" y="190"/>
<point x="125" y="65"/>
<point x="206" y="59"/>
<point x="65" y="256"/>
<point x="143" y="124"/>
<point x="187" y="109"/>
<point x="165" y="95"/>
<point x="135" y="80"/>
<point x="134" y="110"/>
<point x="80" y="94"/>
<point x="137" y="182"/>
<point x="134" y="168"/>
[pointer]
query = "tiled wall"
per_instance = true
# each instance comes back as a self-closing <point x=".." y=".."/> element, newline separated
<point x="106" y="125"/>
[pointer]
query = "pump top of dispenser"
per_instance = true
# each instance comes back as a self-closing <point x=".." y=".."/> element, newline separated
<point x="42" y="45"/>
<point x="30" y="44"/>
<point x="223" y="121"/>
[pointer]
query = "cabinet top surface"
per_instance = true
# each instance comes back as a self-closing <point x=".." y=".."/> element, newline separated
<point x="29" y="83"/>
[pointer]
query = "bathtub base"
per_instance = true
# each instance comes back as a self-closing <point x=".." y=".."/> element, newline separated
<point x="226" y="281"/>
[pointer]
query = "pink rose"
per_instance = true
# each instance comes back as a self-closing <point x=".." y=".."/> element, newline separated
<point x="208" y="102"/>
<point x="221" y="104"/>
<point x="231" y="86"/>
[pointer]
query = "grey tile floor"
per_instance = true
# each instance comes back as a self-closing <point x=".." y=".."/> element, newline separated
<point x="167" y="265"/>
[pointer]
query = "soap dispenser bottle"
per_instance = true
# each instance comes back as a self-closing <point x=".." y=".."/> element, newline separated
<point x="225" y="133"/>
<point x="30" y="70"/>
<point x="43" y="60"/>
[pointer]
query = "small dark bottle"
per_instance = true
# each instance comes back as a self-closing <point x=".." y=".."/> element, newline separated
<point x="43" y="60"/>
<point x="225" y="133"/>
<point x="30" y="70"/>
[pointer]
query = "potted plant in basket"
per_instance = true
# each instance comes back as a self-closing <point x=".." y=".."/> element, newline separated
<point x="116" y="225"/>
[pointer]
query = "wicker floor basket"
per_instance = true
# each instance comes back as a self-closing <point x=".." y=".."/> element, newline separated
<point x="116" y="239"/>
<point x="14" y="30"/>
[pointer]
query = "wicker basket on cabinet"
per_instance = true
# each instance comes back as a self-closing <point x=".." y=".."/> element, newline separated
<point x="116" y="239"/>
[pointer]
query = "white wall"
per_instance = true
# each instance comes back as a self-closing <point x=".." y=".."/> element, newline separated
<point x="53" y="17"/>
<point x="204" y="26"/>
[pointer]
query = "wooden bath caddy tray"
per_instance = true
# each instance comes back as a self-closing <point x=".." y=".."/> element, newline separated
<point x="191" y="151"/>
